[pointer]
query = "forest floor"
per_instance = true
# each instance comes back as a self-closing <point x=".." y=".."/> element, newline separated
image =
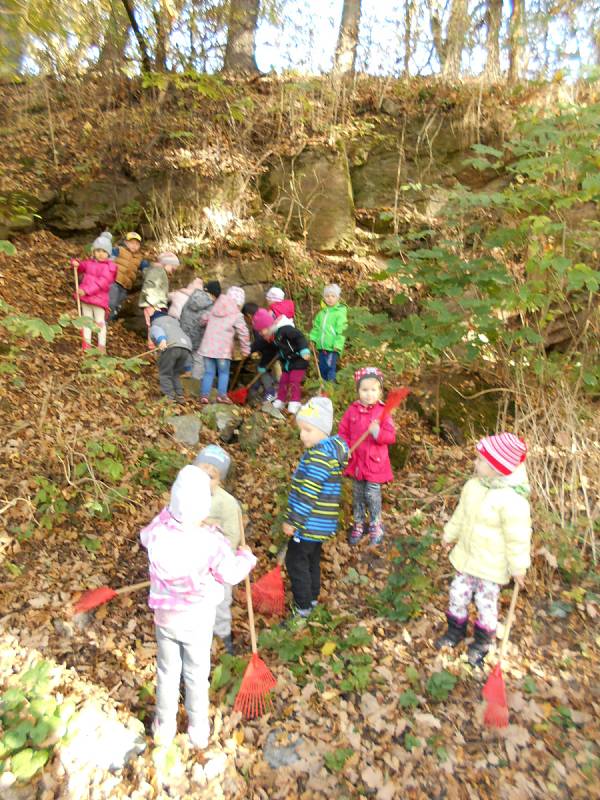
<point x="373" y="709"/>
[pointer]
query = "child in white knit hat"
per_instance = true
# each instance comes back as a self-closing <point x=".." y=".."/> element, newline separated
<point x="490" y="533"/>
<point x="278" y="305"/>
<point x="328" y="331"/>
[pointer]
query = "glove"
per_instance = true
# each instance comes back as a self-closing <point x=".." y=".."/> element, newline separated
<point x="162" y="345"/>
<point x="374" y="428"/>
<point x="74" y="262"/>
<point x="262" y="370"/>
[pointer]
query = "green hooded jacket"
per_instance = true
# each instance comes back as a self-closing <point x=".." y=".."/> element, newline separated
<point x="329" y="328"/>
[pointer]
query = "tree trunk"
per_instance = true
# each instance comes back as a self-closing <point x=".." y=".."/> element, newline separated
<point x="345" y="52"/>
<point x="409" y="11"/>
<point x="455" y="39"/>
<point x="12" y="40"/>
<point x="241" y="37"/>
<point x="146" y="62"/>
<point x="493" y="21"/>
<point x="112" y="54"/>
<point x="516" y="38"/>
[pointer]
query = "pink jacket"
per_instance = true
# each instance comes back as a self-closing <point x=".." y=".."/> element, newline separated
<point x="371" y="461"/>
<point x="188" y="567"/>
<point x="98" y="276"/>
<point x="283" y="308"/>
<point x="225" y="320"/>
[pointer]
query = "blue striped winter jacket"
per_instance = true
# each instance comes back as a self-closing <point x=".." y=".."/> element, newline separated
<point x="314" y="499"/>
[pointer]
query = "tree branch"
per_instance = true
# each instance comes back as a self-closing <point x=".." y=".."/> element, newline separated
<point x="146" y="62"/>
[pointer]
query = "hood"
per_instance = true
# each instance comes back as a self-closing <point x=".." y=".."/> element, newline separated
<point x="335" y="447"/>
<point x="284" y="308"/>
<point x="225" y="307"/>
<point x="199" y="300"/>
<point x="281" y="322"/>
<point x="190" y="497"/>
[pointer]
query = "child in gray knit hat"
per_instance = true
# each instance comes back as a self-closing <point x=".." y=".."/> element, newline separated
<point x="314" y="501"/>
<point x="225" y="512"/>
<point x="96" y="275"/>
<point x="328" y="331"/>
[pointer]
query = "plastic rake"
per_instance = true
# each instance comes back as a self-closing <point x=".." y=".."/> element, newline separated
<point x="239" y="396"/>
<point x="494" y="691"/>
<point x="253" y="697"/>
<point x="97" y="597"/>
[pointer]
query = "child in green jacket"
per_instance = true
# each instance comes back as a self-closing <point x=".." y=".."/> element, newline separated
<point x="328" y="331"/>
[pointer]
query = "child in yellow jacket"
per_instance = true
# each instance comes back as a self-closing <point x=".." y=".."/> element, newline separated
<point x="491" y="534"/>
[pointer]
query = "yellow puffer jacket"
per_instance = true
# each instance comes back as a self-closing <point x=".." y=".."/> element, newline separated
<point x="492" y="528"/>
<point x="128" y="264"/>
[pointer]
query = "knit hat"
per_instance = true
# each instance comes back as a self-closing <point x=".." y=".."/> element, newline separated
<point x="214" y="288"/>
<point x="103" y="242"/>
<point x="318" y="412"/>
<point x="274" y="294"/>
<point x="368" y="372"/>
<point x="332" y="288"/>
<point x="237" y="294"/>
<point x="190" y="496"/>
<point x="215" y="455"/>
<point x="504" y="451"/>
<point x="132" y="235"/>
<point x="262" y="319"/>
<point x="168" y="259"/>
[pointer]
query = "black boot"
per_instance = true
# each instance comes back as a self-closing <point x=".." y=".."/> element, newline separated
<point x="478" y="649"/>
<point x="228" y="644"/>
<point x="454" y="635"/>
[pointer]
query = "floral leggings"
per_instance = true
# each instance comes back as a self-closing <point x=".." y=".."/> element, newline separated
<point x="462" y="589"/>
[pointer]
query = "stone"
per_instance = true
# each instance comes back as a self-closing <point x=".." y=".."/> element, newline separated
<point x="252" y="432"/>
<point x="91" y="206"/>
<point x="98" y="741"/>
<point x="257" y="271"/>
<point x="314" y="192"/>
<point x="269" y="408"/>
<point x="280" y="749"/>
<point x="186" y="428"/>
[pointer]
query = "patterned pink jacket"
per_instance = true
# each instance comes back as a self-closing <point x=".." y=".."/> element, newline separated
<point x="188" y="567"/>
<point x="225" y="321"/>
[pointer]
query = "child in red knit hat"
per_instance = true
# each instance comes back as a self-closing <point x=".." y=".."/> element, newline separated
<point x="490" y="533"/>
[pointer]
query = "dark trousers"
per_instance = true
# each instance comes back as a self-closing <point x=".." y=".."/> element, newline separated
<point x="328" y="364"/>
<point x="171" y="363"/>
<point x="303" y="563"/>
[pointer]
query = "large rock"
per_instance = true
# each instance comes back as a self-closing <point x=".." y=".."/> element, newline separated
<point x="314" y="192"/>
<point x="19" y="210"/>
<point x="91" y="206"/>
<point x="186" y="428"/>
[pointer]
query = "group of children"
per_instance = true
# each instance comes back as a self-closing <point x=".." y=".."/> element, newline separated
<point x="194" y="543"/>
<point x="197" y="328"/>
<point x="194" y="553"/>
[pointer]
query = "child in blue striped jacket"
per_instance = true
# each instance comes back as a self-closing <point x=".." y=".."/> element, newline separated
<point x="314" y="501"/>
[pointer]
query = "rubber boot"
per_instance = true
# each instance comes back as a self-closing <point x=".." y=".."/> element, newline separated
<point x="456" y="632"/>
<point x="480" y="646"/>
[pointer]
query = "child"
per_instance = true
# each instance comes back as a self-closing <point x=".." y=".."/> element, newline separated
<point x="314" y="501"/>
<point x="225" y="512"/>
<point x="225" y="321"/>
<point x="98" y="276"/>
<point x="328" y="331"/>
<point x="293" y="354"/>
<point x="128" y="258"/>
<point x="189" y="563"/>
<point x="492" y="531"/>
<point x="278" y="305"/>
<point x="154" y="296"/>
<point x="194" y="316"/>
<point x="179" y="297"/>
<point x="370" y="462"/>
<point x="265" y="351"/>
<point x="176" y="348"/>
<point x="214" y="289"/>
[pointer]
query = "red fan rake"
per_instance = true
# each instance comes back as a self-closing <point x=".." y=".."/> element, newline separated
<point x="240" y="396"/>
<point x="494" y="691"/>
<point x="253" y="697"/>
<point x="97" y="597"/>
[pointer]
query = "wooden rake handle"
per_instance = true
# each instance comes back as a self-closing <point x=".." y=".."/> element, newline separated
<point x="260" y="374"/>
<point x="248" y="594"/>
<point x="76" y="276"/>
<point x="509" y="622"/>
<point x="314" y="352"/>
<point x="133" y="588"/>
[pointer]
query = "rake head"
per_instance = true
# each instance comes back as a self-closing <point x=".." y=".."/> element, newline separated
<point x="94" y="598"/>
<point x="268" y="593"/>
<point x="253" y="696"/>
<point x="494" y="691"/>
<point x="238" y="396"/>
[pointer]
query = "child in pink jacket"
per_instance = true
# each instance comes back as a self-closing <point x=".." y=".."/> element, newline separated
<point x="96" y="276"/>
<point x="225" y="321"/>
<point x="190" y="563"/>
<point x="369" y="465"/>
<point x="278" y="305"/>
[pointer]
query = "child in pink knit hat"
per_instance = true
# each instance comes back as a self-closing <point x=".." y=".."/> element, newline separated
<point x="490" y="537"/>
